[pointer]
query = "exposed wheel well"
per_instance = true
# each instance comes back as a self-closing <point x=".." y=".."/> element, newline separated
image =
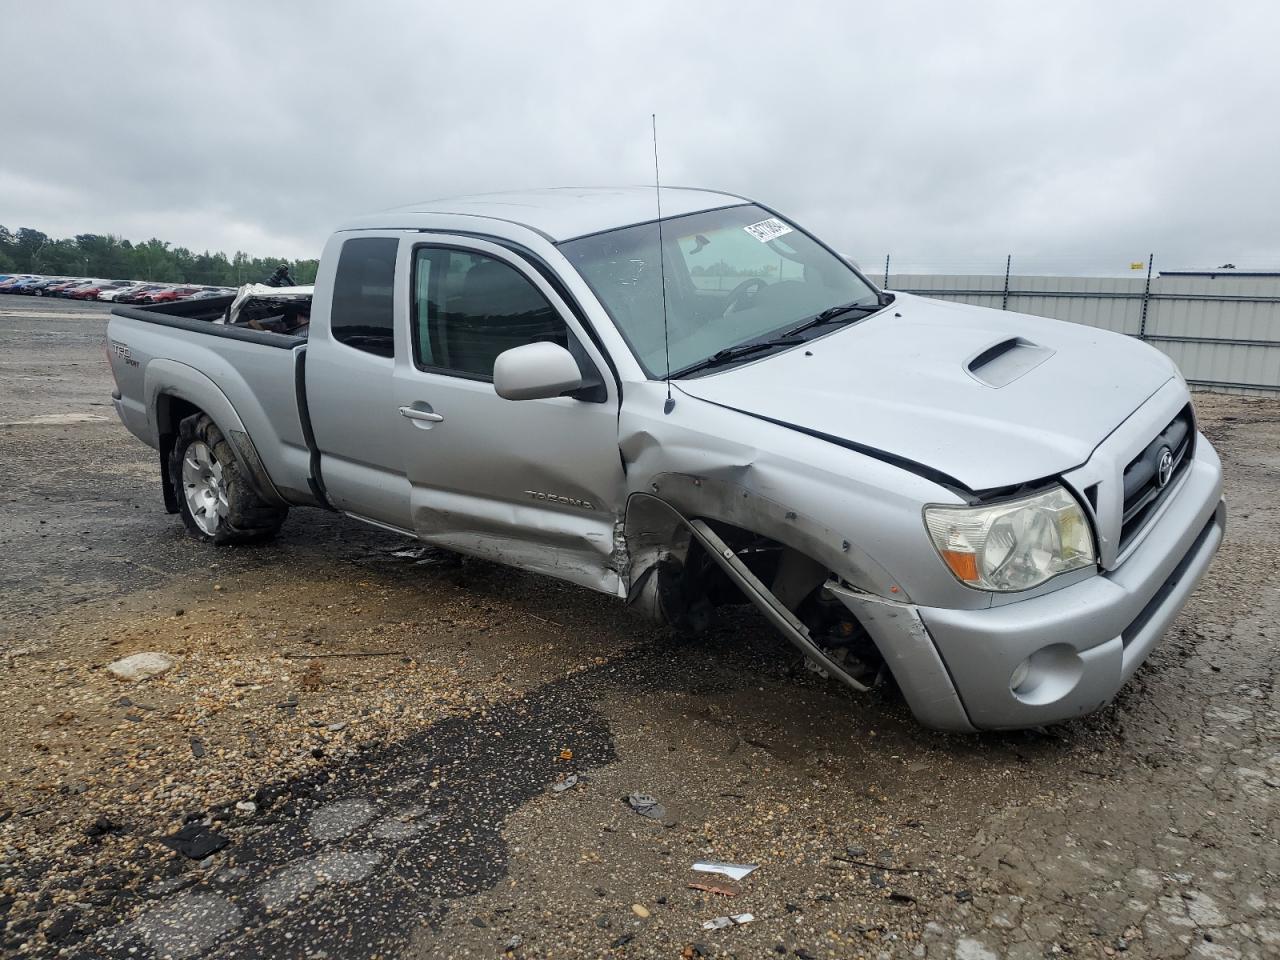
<point x="170" y="411"/>
<point x="690" y="583"/>
<point x="832" y="638"/>
<point x="685" y="581"/>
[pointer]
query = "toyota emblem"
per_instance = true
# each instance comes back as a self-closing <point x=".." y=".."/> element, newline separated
<point x="1164" y="468"/>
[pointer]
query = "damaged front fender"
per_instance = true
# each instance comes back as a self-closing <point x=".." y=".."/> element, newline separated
<point x="653" y="532"/>
<point x="908" y="650"/>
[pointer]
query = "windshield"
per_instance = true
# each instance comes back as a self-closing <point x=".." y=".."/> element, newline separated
<point x="733" y="276"/>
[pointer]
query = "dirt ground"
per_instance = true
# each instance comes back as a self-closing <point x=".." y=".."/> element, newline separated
<point x="377" y="732"/>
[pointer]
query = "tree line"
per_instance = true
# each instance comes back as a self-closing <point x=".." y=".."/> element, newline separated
<point x="113" y="258"/>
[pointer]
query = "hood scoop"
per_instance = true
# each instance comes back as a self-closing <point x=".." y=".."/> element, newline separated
<point x="1004" y="362"/>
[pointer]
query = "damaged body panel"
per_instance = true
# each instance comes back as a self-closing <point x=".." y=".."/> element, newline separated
<point x="1000" y="513"/>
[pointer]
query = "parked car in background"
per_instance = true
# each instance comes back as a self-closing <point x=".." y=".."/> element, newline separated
<point x="137" y="294"/>
<point x="62" y="289"/>
<point x="110" y="291"/>
<point x="171" y="294"/>
<point x="23" y="285"/>
<point x="38" y="288"/>
<point x="86" y="291"/>
<point x="113" y="294"/>
<point x="70" y="290"/>
<point x="91" y="290"/>
<point x="113" y="286"/>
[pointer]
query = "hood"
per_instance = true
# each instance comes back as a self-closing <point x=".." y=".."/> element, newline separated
<point x="985" y="397"/>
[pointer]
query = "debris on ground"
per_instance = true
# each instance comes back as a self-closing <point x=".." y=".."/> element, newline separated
<point x="713" y="888"/>
<point x="851" y="857"/>
<point x="513" y="944"/>
<point x="719" y="923"/>
<point x="734" y="871"/>
<point x="312" y="678"/>
<point x="103" y="825"/>
<point x="247" y="806"/>
<point x="560" y="786"/>
<point x="640" y="911"/>
<point x="141" y="666"/>
<point x="422" y="555"/>
<point x="195" y="841"/>
<point x="647" y="806"/>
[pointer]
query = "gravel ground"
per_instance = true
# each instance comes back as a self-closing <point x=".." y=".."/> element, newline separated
<point x="377" y="732"/>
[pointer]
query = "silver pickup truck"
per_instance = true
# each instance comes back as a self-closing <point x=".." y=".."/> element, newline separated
<point x="998" y="512"/>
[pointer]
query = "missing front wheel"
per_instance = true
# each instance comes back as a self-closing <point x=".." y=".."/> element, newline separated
<point x="841" y="637"/>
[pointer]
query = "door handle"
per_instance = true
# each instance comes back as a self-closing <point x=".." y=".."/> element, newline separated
<point x="413" y="413"/>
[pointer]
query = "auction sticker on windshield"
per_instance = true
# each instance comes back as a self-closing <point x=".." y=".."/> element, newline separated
<point x="767" y="230"/>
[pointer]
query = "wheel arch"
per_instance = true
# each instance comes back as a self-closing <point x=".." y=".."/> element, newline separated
<point x="177" y="391"/>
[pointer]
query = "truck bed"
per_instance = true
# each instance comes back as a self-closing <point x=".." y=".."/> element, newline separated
<point x="169" y="358"/>
<point x="204" y="316"/>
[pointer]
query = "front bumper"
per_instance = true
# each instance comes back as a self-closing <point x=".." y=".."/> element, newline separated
<point x="1084" y="641"/>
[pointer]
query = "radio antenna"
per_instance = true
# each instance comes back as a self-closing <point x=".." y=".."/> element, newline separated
<point x="662" y="266"/>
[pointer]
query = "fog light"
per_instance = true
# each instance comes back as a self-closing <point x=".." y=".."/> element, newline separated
<point x="1048" y="675"/>
<point x="1020" y="674"/>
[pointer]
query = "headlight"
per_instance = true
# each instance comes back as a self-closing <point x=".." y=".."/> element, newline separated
<point x="1015" y="545"/>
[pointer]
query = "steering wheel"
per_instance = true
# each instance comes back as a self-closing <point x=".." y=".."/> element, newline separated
<point x="741" y="295"/>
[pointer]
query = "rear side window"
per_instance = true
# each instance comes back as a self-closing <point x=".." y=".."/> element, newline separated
<point x="361" y="316"/>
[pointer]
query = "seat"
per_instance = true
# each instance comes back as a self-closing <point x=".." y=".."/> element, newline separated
<point x="496" y="309"/>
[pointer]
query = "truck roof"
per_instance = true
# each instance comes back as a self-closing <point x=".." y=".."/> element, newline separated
<point x="557" y="213"/>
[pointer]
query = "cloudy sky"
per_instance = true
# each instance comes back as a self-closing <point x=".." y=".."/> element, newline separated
<point x="1077" y="136"/>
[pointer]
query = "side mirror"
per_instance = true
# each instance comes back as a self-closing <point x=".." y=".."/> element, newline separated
<point x="535" y="371"/>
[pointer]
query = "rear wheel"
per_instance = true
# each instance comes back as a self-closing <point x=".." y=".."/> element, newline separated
<point x="216" y="502"/>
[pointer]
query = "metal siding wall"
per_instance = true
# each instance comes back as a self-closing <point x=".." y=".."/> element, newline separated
<point x="1193" y="310"/>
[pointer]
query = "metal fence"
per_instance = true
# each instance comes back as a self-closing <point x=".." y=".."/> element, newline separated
<point x="1223" y="332"/>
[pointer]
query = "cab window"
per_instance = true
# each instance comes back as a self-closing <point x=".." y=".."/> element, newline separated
<point x="468" y="308"/>
<point x="361" y="315"/>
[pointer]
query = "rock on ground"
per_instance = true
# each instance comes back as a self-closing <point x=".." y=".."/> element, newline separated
<point x="141" y="666"/>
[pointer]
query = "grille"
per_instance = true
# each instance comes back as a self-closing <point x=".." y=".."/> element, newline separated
<point x="1143" y="489"/>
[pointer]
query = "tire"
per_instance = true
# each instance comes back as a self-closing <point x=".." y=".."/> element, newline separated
<point x="217" y="504"/>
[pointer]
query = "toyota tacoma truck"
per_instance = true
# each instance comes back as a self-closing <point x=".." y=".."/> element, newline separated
<point x="1000" y="513"/>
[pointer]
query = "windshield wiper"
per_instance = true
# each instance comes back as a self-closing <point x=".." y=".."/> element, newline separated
<point x="789" y="338"/>
<point x="833" y="313"/>
<point x="729" y="354"/>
